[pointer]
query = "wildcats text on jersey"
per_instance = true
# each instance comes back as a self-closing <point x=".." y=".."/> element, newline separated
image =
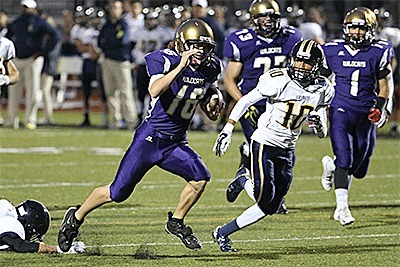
<point x="357" y="64"/>
<point x="193" y="80"/>
<point x="271" y="50"/>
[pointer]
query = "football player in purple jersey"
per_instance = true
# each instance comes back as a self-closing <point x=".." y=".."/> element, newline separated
<point x="251" y="52"/>
<point x="359" y="63"/>
<point x="181" y="77"/>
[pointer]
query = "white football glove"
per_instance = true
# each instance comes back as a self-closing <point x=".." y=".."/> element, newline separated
<point x="224" y="140"/>
<point x="77" y="247"/>
<point x="4" y="79"/>
<point x="384" y="117"/>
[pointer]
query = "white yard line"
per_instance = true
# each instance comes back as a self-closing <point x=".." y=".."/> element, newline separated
<point x="216" y="207"/>
<point x="252" y="240"/>
<point x="155" y="184"/>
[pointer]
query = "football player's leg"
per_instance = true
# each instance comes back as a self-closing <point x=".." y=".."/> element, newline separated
<point x="185" y="162"/>
<point x="342" y="139"/>
<point x="263" y="176"/>
<point x="283" y="179"/>
<point x="132" y="168"/>
<point x="342" y="126"/>
<point x="221" y="234"/>
<point x="366" y="146"/>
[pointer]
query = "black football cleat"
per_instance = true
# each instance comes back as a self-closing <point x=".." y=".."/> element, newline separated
<point x="282" y="208"/>
<point x="68" y="230"/>
<point x="235" y="187"/>
<point x="183" y="232"/>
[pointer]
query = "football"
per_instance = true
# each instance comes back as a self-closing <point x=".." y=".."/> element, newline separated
<point x="215" y="105"/>
<point x="216" y="101"/>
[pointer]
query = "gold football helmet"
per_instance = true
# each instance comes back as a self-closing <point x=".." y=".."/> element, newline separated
<point x="198" y="33"/>
<point x="360" y="17"/>
<point x="265" y="8"/>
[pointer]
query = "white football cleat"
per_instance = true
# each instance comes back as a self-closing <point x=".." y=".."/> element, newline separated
<point x="343" y="216"/>
<point x="327" y="176"/>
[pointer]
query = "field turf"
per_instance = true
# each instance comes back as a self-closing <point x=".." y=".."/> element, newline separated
<point x="60" y="166"/>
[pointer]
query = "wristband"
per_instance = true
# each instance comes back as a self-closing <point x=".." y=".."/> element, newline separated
<point x="228" y="127"/>
<point x="380" y="103"/>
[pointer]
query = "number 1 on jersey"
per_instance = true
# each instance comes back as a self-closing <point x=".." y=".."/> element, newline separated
<point x="354" y="82"/>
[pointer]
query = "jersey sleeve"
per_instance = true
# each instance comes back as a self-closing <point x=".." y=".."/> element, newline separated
<point x="384" y="68"/>
<point x="17" y="244"/>
<point x="157" y="63"/>
<point x="238" y="44"/>
<point x="270" y="83"/>
<point x="244" y="102"/>
<point x="231" y="50"/>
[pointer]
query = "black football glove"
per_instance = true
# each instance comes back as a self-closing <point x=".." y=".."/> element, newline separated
<point x="252" y="116"/>
<point x="314" y="122"/>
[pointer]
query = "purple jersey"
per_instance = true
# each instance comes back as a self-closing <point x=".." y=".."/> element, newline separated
<point x="356" y="72"/>
<point x="259" y="54"/>
<point x="173" y="110"/>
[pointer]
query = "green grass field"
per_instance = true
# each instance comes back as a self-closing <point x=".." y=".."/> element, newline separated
<point x="60" y="166"/>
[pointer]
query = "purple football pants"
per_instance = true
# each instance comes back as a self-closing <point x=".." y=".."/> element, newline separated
<point x="353" y="139"/>
<point x="151" y="148"/>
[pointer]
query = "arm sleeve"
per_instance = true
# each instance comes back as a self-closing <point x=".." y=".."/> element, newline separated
<point x="244" y="102"/>
<point x="18" y="244"/>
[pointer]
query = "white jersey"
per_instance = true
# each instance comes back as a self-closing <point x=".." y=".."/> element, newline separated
<point x="7" y="52"/>
<point x="9" y="222"/>
<point x="390" y="33"/>
<point x="87" y="35"/>
<point x="148" y="41"/>
<point x="311" y="30"/>
<point x="134" y="24"/>
<point x="287" y="106"/>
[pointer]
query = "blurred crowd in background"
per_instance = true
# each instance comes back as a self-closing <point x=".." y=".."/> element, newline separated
<point x="151" y="26"/>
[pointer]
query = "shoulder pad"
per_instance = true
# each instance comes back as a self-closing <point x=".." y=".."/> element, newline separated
<point x="169" y="52"/>
<point x="334" y="42"/>
<point x="287" y="30"/>
<point x="381" y="45"/>
<point x="244" y="36"/>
